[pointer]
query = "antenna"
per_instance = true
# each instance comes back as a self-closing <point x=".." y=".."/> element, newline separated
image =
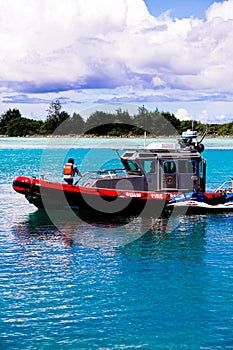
<point x="145" y="139"/>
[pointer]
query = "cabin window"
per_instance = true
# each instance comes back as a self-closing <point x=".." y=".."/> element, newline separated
<point x="169" y="167"/>
<point x="187" y="166"/>
<point x="149" y="166"/>
<point x="131" y="165"/>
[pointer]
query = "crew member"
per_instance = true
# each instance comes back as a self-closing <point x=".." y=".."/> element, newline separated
<point x="70" y="170"/>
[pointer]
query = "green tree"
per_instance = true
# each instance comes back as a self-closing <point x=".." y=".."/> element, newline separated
<point x="142" y="121"/>
<point x="102" y="123"/>
<point x="225" y="129"/>
<point x="20" y="126"/>
<point x="185" y="125"/>
<point x="172" y="119"/>
<point x="189" y="124"/>
<point x="122" y="117"/>
<point x="55" y="117"/>
<point x="9" y="116"/>
<point x="98" y="123"/>
<point x="77" y="124"/>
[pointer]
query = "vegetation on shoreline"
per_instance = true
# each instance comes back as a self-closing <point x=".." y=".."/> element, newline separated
<point x="99" y="123"/>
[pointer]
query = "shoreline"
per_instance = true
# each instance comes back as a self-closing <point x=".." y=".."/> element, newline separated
<point x="91" y="136"/>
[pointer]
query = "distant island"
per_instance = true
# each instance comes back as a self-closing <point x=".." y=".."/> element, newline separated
<point x="118" y="124"/>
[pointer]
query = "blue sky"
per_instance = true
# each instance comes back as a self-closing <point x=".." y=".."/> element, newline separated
<point x="180" y="8"/>
<point x="91" y="54"/>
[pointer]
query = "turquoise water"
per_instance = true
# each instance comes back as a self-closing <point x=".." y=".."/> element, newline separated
<point x="120" y="283"/>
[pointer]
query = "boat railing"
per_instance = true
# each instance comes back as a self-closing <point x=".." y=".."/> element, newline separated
<point x="226" y="187"/>
<point x="110" y="171"/>
<point x="96" y="173"/>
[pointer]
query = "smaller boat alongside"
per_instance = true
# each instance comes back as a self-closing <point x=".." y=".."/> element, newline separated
<point x="197" y="202"/>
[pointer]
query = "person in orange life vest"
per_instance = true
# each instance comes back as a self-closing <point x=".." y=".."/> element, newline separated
<point x="70" y="170"/>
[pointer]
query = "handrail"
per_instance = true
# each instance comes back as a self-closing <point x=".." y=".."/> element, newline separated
<point x="107" y="171"/>
<point x="222" y="185"/>
<point x="99" y="172"/>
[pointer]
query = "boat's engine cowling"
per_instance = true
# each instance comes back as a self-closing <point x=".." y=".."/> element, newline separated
<point x="23" y="184"/>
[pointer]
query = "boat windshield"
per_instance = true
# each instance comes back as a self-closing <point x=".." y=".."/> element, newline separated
<point x="131" y="165"/>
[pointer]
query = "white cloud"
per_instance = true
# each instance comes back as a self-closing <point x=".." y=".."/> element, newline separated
<point x="157" y="82"/>
<point x="50" y="45"/>
<point x="183" y="114"/>
<point x="79" y="41"/>
<point x="222" y="10"/>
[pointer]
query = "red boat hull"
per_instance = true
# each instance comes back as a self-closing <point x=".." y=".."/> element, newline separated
<point x="48" y="195"/>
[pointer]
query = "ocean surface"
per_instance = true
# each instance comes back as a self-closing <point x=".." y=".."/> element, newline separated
<point x="116" y="283"/>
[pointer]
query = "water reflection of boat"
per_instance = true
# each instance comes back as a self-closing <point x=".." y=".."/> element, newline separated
<point x="89" y="231"/>
<point x="185" y="238"/>
<point x="151" y="176"/>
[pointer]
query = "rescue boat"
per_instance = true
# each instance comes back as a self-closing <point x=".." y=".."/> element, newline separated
<point x="150" y="177"/>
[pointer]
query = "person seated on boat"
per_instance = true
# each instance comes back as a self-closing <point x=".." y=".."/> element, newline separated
<point x="70" y="170"/>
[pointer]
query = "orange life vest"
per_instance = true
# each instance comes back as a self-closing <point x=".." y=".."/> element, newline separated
<point x="68" y="169"/>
